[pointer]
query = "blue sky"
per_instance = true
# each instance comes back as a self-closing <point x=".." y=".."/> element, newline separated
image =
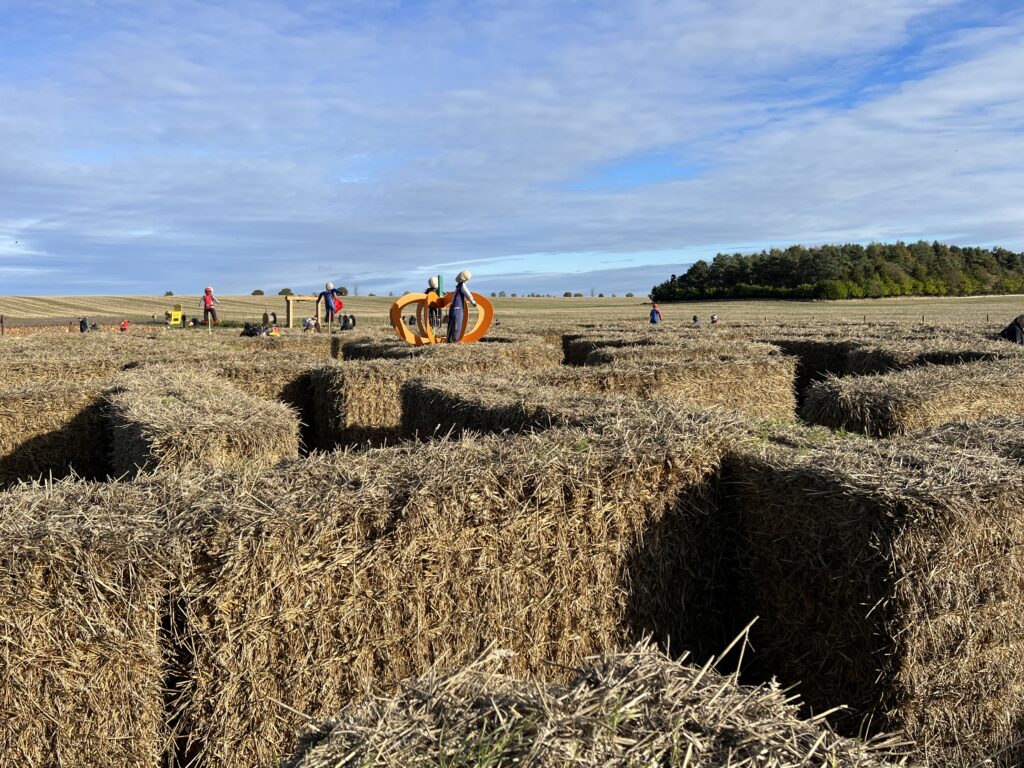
<point x="171" y="144"/>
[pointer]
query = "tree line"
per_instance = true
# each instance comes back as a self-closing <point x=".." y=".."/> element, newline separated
<point x="849" y="271"/>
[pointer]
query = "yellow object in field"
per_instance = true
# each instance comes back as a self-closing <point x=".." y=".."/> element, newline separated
<point x="176" y="316"/>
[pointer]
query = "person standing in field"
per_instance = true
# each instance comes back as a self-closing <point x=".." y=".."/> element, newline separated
<point x="209" y="305"/>
<point x="457" y="309"/>
<point x="655" y="314"/>
<point x="332" y="303"/>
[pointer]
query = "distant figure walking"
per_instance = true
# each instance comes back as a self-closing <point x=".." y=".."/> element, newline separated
<point x="209" y="305"/>
<point x="83" y="325"/>
<point x="696" y="319"/>
<point x="1014" y="331"/>
<point x="124" y="326"/>
<point x="266" y="318"/>
<point x="457" y="309"/>
<point x="714" y="319"/>
<point x="655" y="314"/>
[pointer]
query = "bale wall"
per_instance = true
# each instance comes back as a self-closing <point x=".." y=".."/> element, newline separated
<point x="359" y="401"/>
<point x="167" y="418"/>
<point x="350" y="571"/>
<point x="82" y="596"/>
<point x="889" y="579"/>
<point x="53" y="430"/>
<point x="917" y="398"/>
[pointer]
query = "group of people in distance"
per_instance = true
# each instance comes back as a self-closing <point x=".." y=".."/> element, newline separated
<point x="656" y="316"/>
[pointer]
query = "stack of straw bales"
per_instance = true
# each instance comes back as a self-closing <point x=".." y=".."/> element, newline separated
<point x="163" y="418"/>
<point x="312" y="583"/>
<point x="888" y="577"/>
<point x="83" y="578"/>
<point x="52" y="429"/>
<point x="634" y="708"/>
<point x="360" y="401"/>
<point x="916" y="398"/>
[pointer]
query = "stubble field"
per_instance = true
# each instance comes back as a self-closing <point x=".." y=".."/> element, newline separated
<point x="584" y="541"/>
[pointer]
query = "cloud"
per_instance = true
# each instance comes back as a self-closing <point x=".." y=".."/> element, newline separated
<point x="175" y="143"/>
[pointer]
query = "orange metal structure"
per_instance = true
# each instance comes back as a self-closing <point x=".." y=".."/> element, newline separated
<point x="425" y="333"/>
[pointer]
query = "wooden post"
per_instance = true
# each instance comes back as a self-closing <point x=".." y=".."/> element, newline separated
<point x="3" y="328"/>
<point x="288" y="311"/>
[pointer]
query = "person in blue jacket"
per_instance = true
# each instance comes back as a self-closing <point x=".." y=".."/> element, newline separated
<point x="655" y="314"/>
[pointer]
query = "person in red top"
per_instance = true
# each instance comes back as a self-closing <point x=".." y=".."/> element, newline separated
<point x="124" y="326"/>
<point x="208" y="303"/>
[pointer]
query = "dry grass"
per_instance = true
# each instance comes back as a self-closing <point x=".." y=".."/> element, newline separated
<point x="916" y="398"/>
<point x="630" y="709"/>
<point x="82" y="593"/>
<point x="53" y="430"/>
<point x="888" y="577"/>
<point x="163" y="418"/>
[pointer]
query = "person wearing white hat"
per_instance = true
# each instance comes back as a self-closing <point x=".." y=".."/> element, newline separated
<point x="457" y="308"/>
<point x="332" y="303"/>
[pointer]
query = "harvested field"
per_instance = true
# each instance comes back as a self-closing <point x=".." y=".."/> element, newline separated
<point x="359" y="402"/>
<point x="53" y="430"/>
<point x="82" y="594"/>
<point x="344" y="574"/>
<point x="525" y="351"/>
<point x="634" y="708"/>
<point x="888" y="577"/>
<point x="162" y="418"/>
<point x="916" y="398"/>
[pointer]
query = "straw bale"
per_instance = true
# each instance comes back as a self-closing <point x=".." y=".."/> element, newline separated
<point x="163" y="417"/>
<point x="888" y="577"/>
<point x="893" y="355"/>
<point x="590" y="396"/>
<point x="1003" y="436"/>
<point x="917" y="398"/>
<point x="635" y="708"/>
<point x="682" y="351"/>
<point x="53" y="430"/>
<point x="359" y="401"/>
<point x="344" y="573"/>
<point x="527" y="352"/>
<point x="82" y="596"/>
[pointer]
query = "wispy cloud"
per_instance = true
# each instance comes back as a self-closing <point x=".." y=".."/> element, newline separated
<point x="175" y="143"/>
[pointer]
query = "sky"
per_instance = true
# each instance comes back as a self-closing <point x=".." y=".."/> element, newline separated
<point x="546" y="146"/>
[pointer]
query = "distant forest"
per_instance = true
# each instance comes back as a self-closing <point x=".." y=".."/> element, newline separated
<point x="849" y="272"/>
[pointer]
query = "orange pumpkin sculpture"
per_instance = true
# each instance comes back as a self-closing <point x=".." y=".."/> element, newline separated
<point x="425" y="333"/>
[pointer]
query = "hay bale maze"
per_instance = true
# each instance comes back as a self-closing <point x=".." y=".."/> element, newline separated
<point x="164" y="418"/>
<point x="917" y="398"/>
<point x="887" y="577"/>
<point x="637" y="707"/>
<point x="346" y="572"/>
<point x="566" y="494"/>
